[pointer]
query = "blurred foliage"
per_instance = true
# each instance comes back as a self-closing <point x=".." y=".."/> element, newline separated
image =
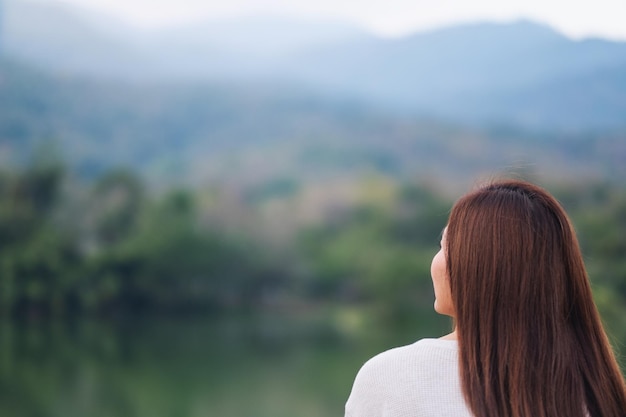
<point x="379" y="253"/>
<point x="109" y="248"/>
<point x="113" y="246"/>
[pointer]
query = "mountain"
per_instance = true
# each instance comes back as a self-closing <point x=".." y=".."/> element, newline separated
<point x="595" y="98"/>
<point x="520" y="72"/>
<point x="447" y="72"/>
<point x="249" y="134"/>
<point x="447" y="61"/>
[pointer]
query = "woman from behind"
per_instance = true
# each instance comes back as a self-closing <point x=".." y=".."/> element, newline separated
<point x="528" y="339"/>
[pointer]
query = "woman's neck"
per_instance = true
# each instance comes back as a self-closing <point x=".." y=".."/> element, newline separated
<point x="450" y="336"/>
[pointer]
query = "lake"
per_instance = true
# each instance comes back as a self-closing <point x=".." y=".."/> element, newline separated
<point x="277" y="365"/>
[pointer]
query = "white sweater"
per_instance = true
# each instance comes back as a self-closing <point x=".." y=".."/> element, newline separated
<point x="418" y="380"/>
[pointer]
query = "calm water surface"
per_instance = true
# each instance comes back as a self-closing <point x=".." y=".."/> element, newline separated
<point x="244" y="367"/>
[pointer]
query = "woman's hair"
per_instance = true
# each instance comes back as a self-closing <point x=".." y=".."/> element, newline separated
<point x="531" y="342"/>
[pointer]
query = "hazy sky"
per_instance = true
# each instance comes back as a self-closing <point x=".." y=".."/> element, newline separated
<point x="577" y="18"/>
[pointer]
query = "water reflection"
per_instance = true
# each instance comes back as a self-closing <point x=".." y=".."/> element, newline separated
<point x="252" y="366"/>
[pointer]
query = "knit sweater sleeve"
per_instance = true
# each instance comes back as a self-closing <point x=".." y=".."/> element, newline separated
<point x="368" y="394"/>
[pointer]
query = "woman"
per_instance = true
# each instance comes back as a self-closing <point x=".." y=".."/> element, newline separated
<point x="528" y="339"/>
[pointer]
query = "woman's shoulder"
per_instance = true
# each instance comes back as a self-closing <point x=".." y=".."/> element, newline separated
<point x="404" y="376"/>
<point x="417" y="356"/>
<point x="421" y="348"/>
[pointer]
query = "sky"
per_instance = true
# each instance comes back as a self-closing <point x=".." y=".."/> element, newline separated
<point x="575" y="18"/>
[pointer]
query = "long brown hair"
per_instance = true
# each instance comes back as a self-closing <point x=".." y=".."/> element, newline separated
<point x="531" y="342"/>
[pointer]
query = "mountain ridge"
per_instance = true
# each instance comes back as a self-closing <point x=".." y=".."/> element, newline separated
<point x="440" y="72"/>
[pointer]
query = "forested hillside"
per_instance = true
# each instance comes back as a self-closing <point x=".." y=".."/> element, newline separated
<point x="200" y="132"/>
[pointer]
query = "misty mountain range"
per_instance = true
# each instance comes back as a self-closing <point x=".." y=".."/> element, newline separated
<point x="521" y="73"/>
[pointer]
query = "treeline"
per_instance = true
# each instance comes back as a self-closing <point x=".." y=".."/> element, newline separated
<point x="111" y="248"/>
<point x="116" y="246"/>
